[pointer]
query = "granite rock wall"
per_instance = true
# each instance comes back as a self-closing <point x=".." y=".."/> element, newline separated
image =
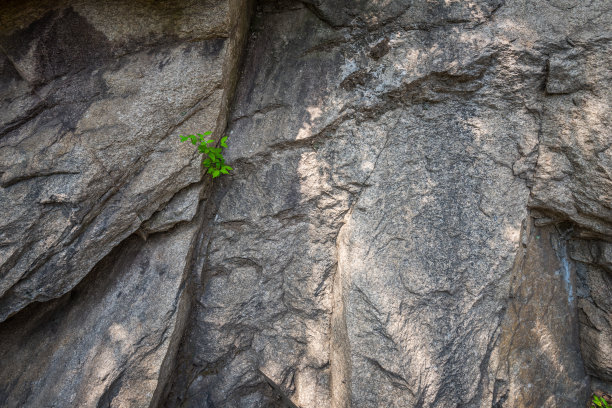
<point x="420" y="213"/>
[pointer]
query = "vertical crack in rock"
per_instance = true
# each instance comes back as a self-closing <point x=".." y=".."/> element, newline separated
<point x="422" y="234"/>
<point x="340" y="348"/>
<point x="339" y="343"/>
<point x="572" y="168"/>
<point x="106" y="142"/>
<point x="109" y="341"/>
<point x="592" y="259"/>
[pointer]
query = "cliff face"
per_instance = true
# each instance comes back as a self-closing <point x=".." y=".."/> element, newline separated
<point x="100" y="225"/>
<point x="420" y="213"/>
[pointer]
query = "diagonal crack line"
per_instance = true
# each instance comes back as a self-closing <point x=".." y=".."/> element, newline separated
<point x="268" y="108"/>
<point x="387" y="101"/>
<point x="395" y="378"/>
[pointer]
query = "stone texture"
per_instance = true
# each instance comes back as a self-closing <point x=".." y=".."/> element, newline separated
<point x="94" y="97"/>
<point x="540" y="347"/>
<point x="573" y="179"/>
<point x="104" y="343"/>
<point x="101" y="203"/>
<point x="592" y="260"/>
<point x="387" y="155"/>
<point x="419" y="216"/>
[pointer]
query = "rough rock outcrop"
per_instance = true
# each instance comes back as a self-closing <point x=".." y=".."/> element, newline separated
<point x="106" y="342"/>
<point x="420" y="213"/>
<point x="375" y="246"/>
<point x="539" y="347"/>
<point x="94" y="96"/>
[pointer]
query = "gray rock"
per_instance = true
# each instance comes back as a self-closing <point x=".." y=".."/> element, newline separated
<point x="96" y="95"/>
<point x="540" y="348"/>
<point x="573" y="178"/>
<point x="595" y="308"/>
<point x="419" y="216"/>
<point x="89" y="147"/>
<point x="106" y="342"/>
<point x="366" y="251"/>
<point x="181" y="208"/>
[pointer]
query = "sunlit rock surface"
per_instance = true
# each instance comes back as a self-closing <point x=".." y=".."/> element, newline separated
<point x="370" y="249"/>
<point x="420" y="213"/>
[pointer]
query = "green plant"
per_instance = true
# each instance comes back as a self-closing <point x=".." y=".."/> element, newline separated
<point x="214" y="160"/>
<point x="599" y="402"/>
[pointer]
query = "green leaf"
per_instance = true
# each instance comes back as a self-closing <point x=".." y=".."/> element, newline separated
<point x="213" y="160"/>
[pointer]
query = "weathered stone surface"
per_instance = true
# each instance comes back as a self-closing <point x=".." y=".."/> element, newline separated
<point x="104" y="343"/>
<point x="181" y="208"/>
<point x="387" y="155"/>
<point x="94" y="97"/>
<point x="420" y="213"/>
<point x="595" y="308"/>
<point x="573" y="181"/>
<point x="540" y="347"/>
<point x="573" y="175"/>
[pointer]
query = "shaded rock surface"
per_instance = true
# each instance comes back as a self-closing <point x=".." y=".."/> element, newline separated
<point x="540" y="347"/>
<point x="105" y="342"/>
<point x="94" y="97"/>
<point x="100" y="224"/>
<point x="594" y="269"/>
<point x="420" y="213"/>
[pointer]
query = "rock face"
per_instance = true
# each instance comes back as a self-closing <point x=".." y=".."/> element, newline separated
<point x="420" y="213"/>
<point x="94" y="96"/>
<point x="539" y="347"/>
<point x="375" y="246"/>
<point x="104" y="343"/>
